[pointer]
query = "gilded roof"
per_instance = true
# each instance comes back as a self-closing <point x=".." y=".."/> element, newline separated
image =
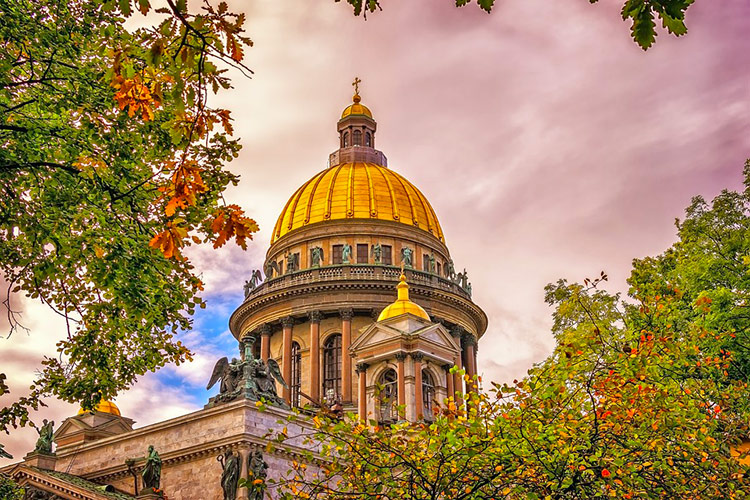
<point x="403" y="305"/>
<point x="357" y="191"/>
<point x="104" y="407"/>
<point x="356" y="108"/>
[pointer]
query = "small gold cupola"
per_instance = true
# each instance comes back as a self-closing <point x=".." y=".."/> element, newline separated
<point x="403" y="305"/>
<point x="104" y="406"/>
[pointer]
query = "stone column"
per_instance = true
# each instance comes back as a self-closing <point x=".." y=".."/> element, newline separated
<point x="458" y="381"/>
<point x="469" y="348"/>
<point x="315" y="317"/>
<point x="346" y="359"/>
<point x="265" y="342"/>
<point x="400" y="357"/>
<point x="449" y="380"/>
<point x="244" y="450"/>
<point x="417" y="357"/>
<point x="362" y="393"/>
<point x="286" y="356"/>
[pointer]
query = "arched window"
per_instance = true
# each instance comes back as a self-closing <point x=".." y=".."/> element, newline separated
<point x="428" y="394"/>
<point x="357" y="137"/>
<point x="345" y="140"/>
<point x="388" y="396"/>
<point x="296" y="382"/>
<point x="332" y="366"/>
<point x="368" y="139"/>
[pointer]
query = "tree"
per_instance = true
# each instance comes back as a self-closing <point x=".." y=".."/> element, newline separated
<point x="111" y="163"/>
<point x="9" y="490"/>
<point x="643" y="15"/>
<point x="645" y="398"/>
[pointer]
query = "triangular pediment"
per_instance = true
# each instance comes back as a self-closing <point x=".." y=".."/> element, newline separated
<point x="63" y="485"/>
<point x="406" y="327"/>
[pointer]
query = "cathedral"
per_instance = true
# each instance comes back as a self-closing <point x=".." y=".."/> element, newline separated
<point x="359" y="309"/>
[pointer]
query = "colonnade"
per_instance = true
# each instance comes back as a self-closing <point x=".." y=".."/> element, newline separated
<point x="467" y="359"/>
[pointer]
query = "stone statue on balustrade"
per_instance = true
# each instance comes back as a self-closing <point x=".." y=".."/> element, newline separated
<point x="270" y="268"/>
<point x="450" y="271"/>
<point x="432" y="263"/>
<point x="377" y="253"/>
<point x="255" y="279"/>
<point x="44" y="443"/>
<point x="316" y="256"/>
<point x="346" y="254"/>
<point x="230" y="474"/>
<point x="292" y="262"/>
<point x="463" y="279"/>
<point x="407" y="256"/>
<point x="249" y="378"/>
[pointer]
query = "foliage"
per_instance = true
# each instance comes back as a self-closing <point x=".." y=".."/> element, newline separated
<point x="9" y="490"/>
<point x="643" y="14"/>
<point x="708" y="266"/>
<point x="111" y="163"/>
<point x="645" y="399"/>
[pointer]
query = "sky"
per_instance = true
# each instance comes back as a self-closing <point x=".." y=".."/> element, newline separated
<point x="548" y="143"/>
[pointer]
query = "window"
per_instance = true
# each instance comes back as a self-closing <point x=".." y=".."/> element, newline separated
<point x="387" y="258"/>
<point x="336" y="254"/>
<point x="281" y="267"/>
<point x="345" y="140"/>
<point x="426" y="263"/>
<point x="362" y="253"/>
<point x="438" y="268"/>
<point x="428" y="394"/>
<point x="368" y="139"/>
<point x="357" y="138"/>
<point x="388" y="396"/>
<point x="296" y="382"/>
<point x="332" y="366"/>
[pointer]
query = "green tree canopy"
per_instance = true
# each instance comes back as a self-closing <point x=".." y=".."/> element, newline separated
<point x="111" y="162"/>
<point x="643" y="15"/>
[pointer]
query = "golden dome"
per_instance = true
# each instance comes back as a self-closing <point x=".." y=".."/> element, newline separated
<point x="357" y="191"/>
<point x="403" y="305"/>
<point x="104" y="407"/>
<point x="356" y="108"/>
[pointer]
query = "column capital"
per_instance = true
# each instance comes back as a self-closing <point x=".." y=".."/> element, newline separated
<point x="457" y="331"/>
<point x="287" y="322"/>
<point x="447" y="367"/>
<point x="417" y="356"/>
<point x="362" y="367"/>
<point x="400" y="356"/>
<point x="315" y="316"/>
<point x="468" y="339"/>
<point x="264" y="329"/>
<point x="346" y="314"/>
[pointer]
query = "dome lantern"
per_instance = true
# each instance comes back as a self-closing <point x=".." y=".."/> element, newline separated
<point x="356" y="130"/>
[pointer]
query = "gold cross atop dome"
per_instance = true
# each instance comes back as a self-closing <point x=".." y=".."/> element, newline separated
<point x="356" y="83"/>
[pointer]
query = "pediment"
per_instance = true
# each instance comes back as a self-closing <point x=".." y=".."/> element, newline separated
<point x="380" y="333"/>
<point x="59" y="485"/>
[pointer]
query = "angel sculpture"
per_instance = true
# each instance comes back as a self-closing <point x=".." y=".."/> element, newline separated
<point x="231" y="378"/>
<point x="252" y="377"/>
<point x="262" y="375"/>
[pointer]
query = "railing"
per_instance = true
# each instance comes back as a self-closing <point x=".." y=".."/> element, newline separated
<point x="364" y="272"/>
